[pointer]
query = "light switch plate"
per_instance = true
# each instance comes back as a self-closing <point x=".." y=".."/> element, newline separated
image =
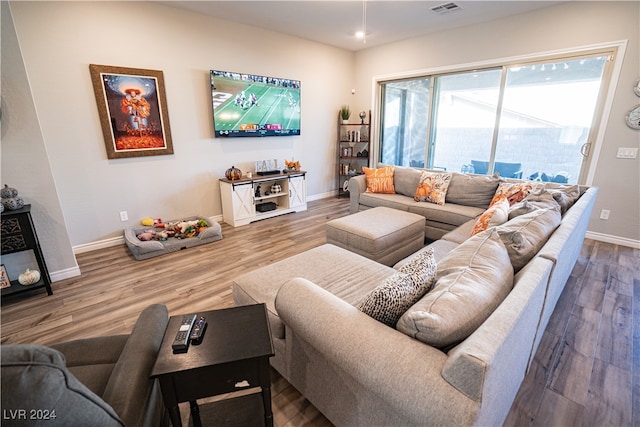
<point x="627" y="153"/>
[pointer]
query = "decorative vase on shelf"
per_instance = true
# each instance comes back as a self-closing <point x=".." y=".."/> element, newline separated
<point x="10" y="199"/>
<point x="276" y="188"/>
<point x="233" y="173"/>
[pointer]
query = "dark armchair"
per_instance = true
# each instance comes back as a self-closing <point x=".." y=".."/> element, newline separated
<point x="96" y="381"/>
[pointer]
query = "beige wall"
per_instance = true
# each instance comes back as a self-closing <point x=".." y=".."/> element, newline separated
<point x="72" y="183"/>
<point x="567" y="26"/>
<point x="25" y="163"/>
<point x="58" y="41"/>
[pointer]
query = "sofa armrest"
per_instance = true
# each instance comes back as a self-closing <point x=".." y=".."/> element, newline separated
<point x="395" y="367"/>
<point x="357" y="186"/>
<point x="130" y="391"/>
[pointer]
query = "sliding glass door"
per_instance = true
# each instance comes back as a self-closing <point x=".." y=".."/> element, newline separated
<point x="547" y="114"/>
<point x="530" y="120"/>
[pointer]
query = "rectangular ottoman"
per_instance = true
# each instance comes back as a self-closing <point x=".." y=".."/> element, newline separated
<point x="382" y="234"/>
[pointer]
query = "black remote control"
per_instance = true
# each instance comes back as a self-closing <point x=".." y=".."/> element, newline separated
<point x="198" y="330"/>
<point x="181" y="341"/>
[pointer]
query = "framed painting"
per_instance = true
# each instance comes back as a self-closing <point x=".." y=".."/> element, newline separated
<point x="132" y="105"/>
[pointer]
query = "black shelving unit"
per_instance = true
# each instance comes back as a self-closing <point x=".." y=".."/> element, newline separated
<point x="19" y="234"/>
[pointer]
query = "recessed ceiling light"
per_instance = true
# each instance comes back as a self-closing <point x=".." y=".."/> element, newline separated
<point x="359" y="34"/>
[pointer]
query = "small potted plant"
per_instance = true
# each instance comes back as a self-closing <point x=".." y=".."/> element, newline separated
<point x="345" y="113"/>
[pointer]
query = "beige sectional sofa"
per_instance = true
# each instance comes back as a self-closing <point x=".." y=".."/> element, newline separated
<point x="358" y="371"/>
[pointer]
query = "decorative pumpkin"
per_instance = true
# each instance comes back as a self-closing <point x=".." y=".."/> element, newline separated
<point x="29" y="277"/>
<point x="233" y="173"/>
<point x="276" y="188"/>
<point x="13" y="203"/>
<point x="8" y="192"/>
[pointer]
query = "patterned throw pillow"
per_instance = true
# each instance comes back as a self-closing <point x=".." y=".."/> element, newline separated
<point x="379" y="180"/>
<point x="512" y="191"/>
<point x="497" y="214"/>
<point x="432" y="187"/>
<point x="422" y="268"/>
<point x="391" y="299"/>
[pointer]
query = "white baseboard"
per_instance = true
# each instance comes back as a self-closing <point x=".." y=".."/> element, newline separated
<point x="607" y="238"/>
<point x="100" y="244"/>
<point x="322" y="196"/>
<point x="64" y="274"/>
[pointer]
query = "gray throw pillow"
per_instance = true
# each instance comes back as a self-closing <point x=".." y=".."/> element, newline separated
<point x="472" y="280"/>
<point x="35" y="379"/>
<point x="388" y="301"/>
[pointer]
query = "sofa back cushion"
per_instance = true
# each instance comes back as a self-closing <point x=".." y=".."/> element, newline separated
<point x="35" y="378"/>
<point x="406" y="180"/>
<point x="472" y="190"/>
<point x="472" y="280"/>
<point x="526" y="234"/>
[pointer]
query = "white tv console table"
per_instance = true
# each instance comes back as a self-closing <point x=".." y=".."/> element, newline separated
<point x="244" y="203"/>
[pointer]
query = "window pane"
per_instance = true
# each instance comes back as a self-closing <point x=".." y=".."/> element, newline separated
<point x="404" y="122"/>
<point x="464" y="120"/>
<point x="547" y="113"/>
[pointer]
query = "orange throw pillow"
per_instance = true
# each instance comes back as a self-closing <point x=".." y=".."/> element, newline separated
<point x="497" y="214"/>
<point x="432" y="187"/>
<point x="514" y="192"/>
<point x="379" y="180"/>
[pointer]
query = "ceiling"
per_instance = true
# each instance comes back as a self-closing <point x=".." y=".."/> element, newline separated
<point x="335" y="22"/>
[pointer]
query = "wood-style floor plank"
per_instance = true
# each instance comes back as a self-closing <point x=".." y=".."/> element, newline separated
<point x="585" y="372"/>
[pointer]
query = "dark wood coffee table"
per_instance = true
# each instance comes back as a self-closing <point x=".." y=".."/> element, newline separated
<point x="233" y="355"/>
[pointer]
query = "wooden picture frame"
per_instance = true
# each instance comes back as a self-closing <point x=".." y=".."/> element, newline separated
<point x="4" y="279"/>
<point x="132" y="105"/>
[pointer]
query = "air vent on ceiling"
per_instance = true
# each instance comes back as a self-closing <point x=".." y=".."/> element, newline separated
<point x="446" y="8"/>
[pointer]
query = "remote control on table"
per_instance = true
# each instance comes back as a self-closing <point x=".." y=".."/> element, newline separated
<point x="198" y="330"/>
<point x="181" y="341"/>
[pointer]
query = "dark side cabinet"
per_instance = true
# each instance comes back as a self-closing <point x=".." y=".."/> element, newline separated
<point x="19" y="234"/>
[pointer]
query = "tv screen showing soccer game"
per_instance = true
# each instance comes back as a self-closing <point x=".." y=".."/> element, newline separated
<point x="252" y="105"/>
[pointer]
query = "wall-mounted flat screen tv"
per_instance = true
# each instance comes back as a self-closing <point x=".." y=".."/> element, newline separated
<point x="252" y="105"/>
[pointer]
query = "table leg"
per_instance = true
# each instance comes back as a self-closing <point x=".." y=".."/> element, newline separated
<point x="174" y="416"/>
<point x="265" y="385"/>
<point x="195" y="413"/>
<point x="266" y="401"/>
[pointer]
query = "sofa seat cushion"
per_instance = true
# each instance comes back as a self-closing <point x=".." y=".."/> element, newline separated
<point x="448" y="213"/>
<point x="460" y="234"/>
<point x="393" y="201"/>
<point x="35" y="378"/>
<point x="472" y="280"/>
<point x="341" y="272"/>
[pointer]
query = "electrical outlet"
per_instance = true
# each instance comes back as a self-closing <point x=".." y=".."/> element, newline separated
<point x="604" y="214"/>
<point x="124" y="216"/>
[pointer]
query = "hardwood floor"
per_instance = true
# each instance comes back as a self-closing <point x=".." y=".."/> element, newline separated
<point x="585" y="373"/>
